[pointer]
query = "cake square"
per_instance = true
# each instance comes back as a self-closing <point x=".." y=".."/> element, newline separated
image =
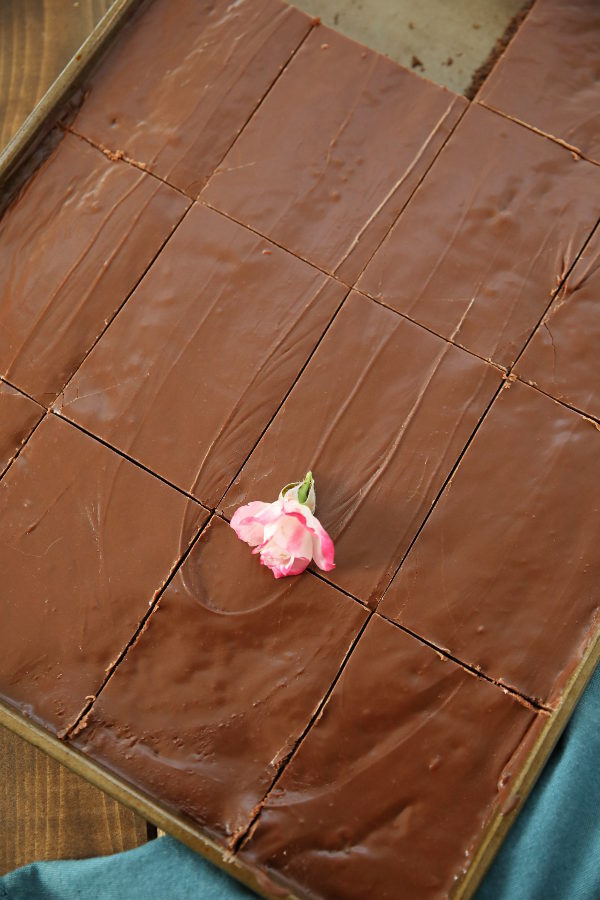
<point x="562" y="357"/>
<point x="380" y="415"/>
<point x="488" y="236"/>
<point x="223" y="323"/>
<point x="183" y="79"/>
<point x="72" y="247"/>
<point x="505" y="575"/>
<point x="361" y="132"/>
<point x="548" y="76"/>
<point x="87" y="539"/>
<point x="395" y="781"/>
<point x="210" y="701"/>
<point x="18" y="417"/>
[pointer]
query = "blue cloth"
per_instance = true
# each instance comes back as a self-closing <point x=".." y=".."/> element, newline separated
<point x="159" y="870"/>
<point x="551" y="853"/>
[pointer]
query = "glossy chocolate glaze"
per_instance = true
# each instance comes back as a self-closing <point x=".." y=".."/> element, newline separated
<point x="209" y="702"/>
<point x="223" y="324"/>
<point x="380" y="415"/>
<point x="506" y="574"/>
<point x="18" y="417"/>
<point x="389" y="792"/>
<point x="488" y="236"/>
<point x="562" y="357"/>
<point x="86" y="540"/>
<point x="333" y="105"/>
<point x="72" y="246"/>
<point x="184" y="78"/>
<point x="203" y="707"/>
<point x="548" y="77"/>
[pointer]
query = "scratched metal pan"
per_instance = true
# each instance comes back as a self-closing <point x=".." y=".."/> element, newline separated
<point x="18" y="160"/>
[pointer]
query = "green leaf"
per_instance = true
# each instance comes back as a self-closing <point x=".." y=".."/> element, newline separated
<point x="304" y="489"/>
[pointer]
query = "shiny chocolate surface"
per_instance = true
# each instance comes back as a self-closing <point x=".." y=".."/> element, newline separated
<point x="548" y="76"/>
<point x="389" y="793"/>
<point x="505" y="575"/>
<point x="18" y="417"/>
<point x="87" y="539"/>
<point x="73" y="245"/>
<point x="380" y="415"/>
<point x="488" y="236"/>
<point x="209" y="702"/>
<point x="189" y="374"/>
<point x="177" y="286"/>
<point x="333" y="105"/>
<point x="562" y="357"/>
<point x="183" y="79"/>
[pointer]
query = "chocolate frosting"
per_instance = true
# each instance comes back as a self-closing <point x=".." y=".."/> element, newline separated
<point x="488" y="236"/>
<point x="548" y="77"/>
<point x="221" y="361"/>
<point x="184" y="78"/>
<point x="389" y="792"/>
<point x="86" y="541"/>
<point x="380" y="415"/>
<point x="223" y="324"/>
<point x="333" y="105"/>
<point x="209" y="702"/>
<point x="18" y="417"/>
<point x="506" y="574"/>
<point x="562" y="357"/>
<point x="72" y="247"/>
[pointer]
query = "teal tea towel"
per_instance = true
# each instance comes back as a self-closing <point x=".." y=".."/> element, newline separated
<point x="551" y="853"/>
<point x="159" y="870"/>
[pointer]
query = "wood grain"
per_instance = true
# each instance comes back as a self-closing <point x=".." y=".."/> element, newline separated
<point x="47" y="812"/>
<point x="37" y="39"/>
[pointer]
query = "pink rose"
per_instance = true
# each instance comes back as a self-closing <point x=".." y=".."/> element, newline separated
<point x="286" y="534"/>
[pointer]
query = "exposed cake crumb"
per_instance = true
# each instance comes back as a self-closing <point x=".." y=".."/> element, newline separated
<point x="480" y="74"/>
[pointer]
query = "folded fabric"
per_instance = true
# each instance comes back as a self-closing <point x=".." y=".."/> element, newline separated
<point x="552" y="852"/>
<point x="159" y="870"/>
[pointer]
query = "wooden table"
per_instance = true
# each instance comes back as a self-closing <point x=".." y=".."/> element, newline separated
<point x="47" y="812"/>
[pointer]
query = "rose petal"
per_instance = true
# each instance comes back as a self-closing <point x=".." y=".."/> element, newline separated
<point x="291" y="535"/>
<point x="246" y="524"/>
<point x="322" y="545"/>
<point x="281" y="570"/>
<point x="286" y="534"/>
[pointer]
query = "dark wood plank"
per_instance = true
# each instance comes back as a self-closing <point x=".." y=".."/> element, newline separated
<point x="37" y="39"/>
<point x="48" y="812"/>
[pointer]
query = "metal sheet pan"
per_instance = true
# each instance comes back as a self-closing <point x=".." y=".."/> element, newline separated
<point x="17" y="162"/>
